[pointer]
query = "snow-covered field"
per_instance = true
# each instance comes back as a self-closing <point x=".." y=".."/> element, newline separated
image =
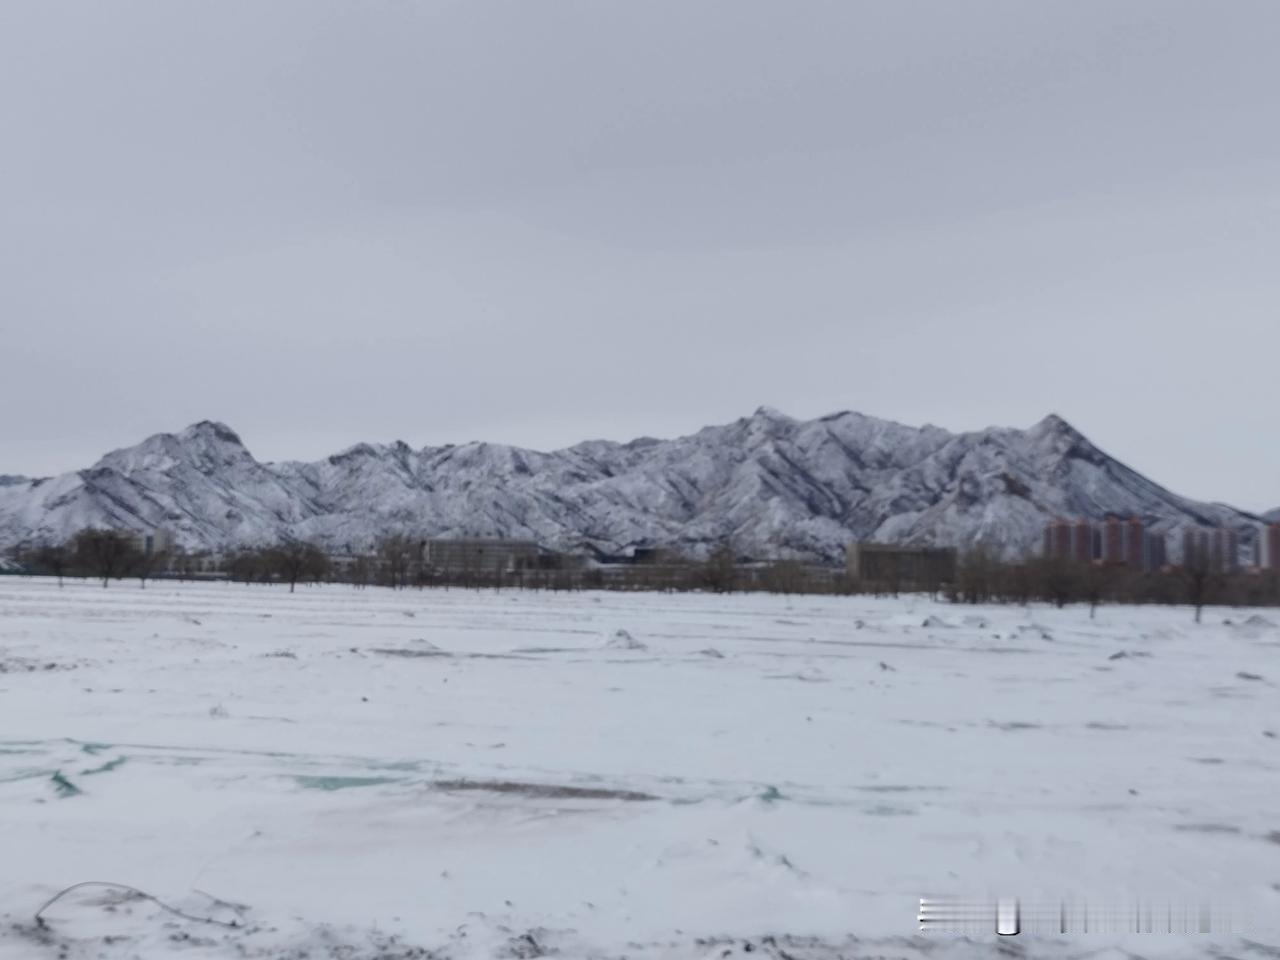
<point x="377" y="774"/>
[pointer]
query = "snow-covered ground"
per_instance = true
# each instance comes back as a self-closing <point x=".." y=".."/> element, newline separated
<point x="377" y="774"/>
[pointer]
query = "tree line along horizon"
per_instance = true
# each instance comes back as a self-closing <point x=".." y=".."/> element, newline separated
<point x="980" y="575"/>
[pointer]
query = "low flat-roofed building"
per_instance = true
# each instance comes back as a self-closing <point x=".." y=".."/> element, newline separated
<point x="479" y="554"/>
<point x="903" y="567"/>
<point x="201" y="563"/>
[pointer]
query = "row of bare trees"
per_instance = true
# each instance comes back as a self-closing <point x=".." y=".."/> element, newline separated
<point x="113" y="554"/>
<point x="93" y="552"/>
<point x="397" y="561"/>
<point x="290" y="561"/>
<point x="983" y="578"/>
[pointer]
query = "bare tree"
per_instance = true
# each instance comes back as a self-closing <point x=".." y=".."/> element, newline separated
<point x="976" y="576"/>
<point x="1197" y="576"/>
<point x="719" y="572"/>
<point x="1059" y="580"/>
<point x="360" y="570"/>
<point x="250" y="564"/>
<point x="1094" y="583"/>
<point x="395" y="553"/>
<point x="104" y="553"/>
<point x="1020" y="582"/>
<point x="784" y="576"/>
<point x="891" y="584"/>
<point x="52" y="558"/>
<point x="147" y="563"/>
<point x="182" y="563"/>
<point x="296" y="560"/>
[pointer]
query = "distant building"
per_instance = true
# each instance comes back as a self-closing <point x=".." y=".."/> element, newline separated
<point x="647" y="556"/>
<point x="1058" y="540"/>
<point x="150" y="542"/>
<point x="208" y="563"/>
<point x="200" y="564"/>
<point x="480" y="555"/>
<point x="1135" y="544"/>
<point x="1065" y="540"/>
<point x="1116" y="541"/>
<point x="1157" y="551"/>
<point x="1216" y="549"/>
<point x="1113" y="541"/>
<point x="903" y="567"/>
<point x="1084" y="542"/>
<point x="1267" y="547"/>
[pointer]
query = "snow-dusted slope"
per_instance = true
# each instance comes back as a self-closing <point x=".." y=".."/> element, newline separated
<point x="773" y="485"/>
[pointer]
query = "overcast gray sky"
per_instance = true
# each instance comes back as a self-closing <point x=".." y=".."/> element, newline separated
<point x="539" y="222"/>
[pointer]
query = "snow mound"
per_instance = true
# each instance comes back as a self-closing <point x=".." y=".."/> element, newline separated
<point x="623" y="640"/>
<point x="1252" y="627"/>
<point x="1034" y="629"/>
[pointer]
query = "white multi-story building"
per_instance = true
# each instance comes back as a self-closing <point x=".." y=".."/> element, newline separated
<point x="151" y="542"/>
<point x="1267" y="547"/>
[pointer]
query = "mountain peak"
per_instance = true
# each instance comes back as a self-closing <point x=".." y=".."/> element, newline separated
<point x="1053" y="422"/>
<point x="206" y="443"/>
<point x="208" y="430"/>
<point x="1055" y="426"/>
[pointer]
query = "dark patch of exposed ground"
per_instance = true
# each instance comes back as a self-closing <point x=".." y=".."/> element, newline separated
<point x="550" y="791"/>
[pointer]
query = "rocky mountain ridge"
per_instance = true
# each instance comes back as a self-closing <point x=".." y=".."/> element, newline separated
<point x="770" y="484"/>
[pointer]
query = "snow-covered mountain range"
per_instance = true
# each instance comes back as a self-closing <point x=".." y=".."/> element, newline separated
<point x="772" y="485"/>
